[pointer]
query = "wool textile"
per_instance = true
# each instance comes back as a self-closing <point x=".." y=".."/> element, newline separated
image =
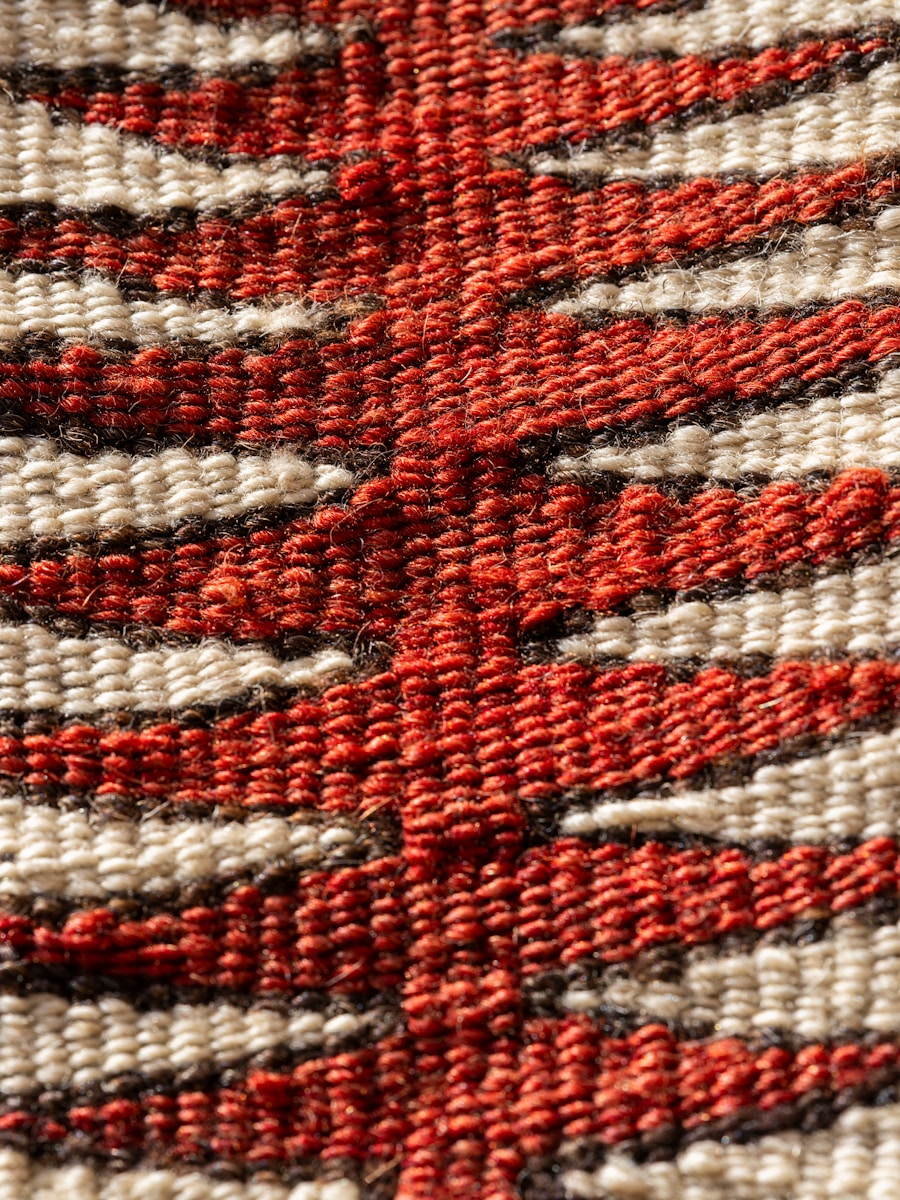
<point x="449" y="600"/>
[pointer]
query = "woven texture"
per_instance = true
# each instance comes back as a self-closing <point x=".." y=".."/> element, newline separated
<point x="449" y="603"/>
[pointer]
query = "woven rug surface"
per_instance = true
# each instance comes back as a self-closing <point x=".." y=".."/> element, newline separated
<point x="449" y="600"/>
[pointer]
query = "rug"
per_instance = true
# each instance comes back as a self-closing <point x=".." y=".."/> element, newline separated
<point x="449" y="600"/>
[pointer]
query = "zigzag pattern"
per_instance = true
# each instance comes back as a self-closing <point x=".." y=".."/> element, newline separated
<point x="449" y="695"/>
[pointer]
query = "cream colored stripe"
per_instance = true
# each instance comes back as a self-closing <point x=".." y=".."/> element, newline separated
<point x="23" y="1179"/>
<point x="75" y="33"/>
<point x="830" y="434"/>
<point x="69" y="853"/>
<point x="81" y="166"/>
<point x="48" y="493"/>
<point x="852" y="790"/>
<point x="855" y="121"/>
<point x="848" y="981"/>
<point x="92" y="308"/>
<point x="855" y="612"/>
<point x="142" y="37"/>
<point x="40" y="671"/>
<point x="86" y="165"/>
<point x="829" y="263"/>
<point x="47" y="1041"/>
<point x="858" y="1158"/>
<point x="723" y="23"/>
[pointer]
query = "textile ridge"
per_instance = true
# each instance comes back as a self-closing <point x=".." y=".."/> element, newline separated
<point x="449" y="619"/>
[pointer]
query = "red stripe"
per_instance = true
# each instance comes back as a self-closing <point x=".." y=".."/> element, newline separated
<point x="513" y="376"/>
<point x="549" y="548"/>
<point x="577" y="100"/>
<point x="353" y="244"/>
<point x="540" y="100"/>
<point x="501" y="14"/>
<point x="403" y="1102"/>
<point x="364" y="930"/>
<point x="302" y="112"/>
<point x="464" y="732"/>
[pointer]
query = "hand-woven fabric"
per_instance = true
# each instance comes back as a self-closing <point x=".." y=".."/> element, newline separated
<point x="449" y="600"/>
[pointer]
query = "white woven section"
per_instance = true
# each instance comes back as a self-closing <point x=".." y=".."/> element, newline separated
<point x="857" y="1159"/>
<point x="80" y="166"/>
<point x="47" y="493"/>
<point x="856" y="612"/>
<point x="42" y="672"/>
<point x="46" y="1041"/>
<point x="828" y="264"/>
<point x="848" y="981"/>
<point x="830" y="434"/>
<point x="20" y="1178"/>
<point x="852" y="790"/>
<point x="140" y="37"/>
<point x="723" y="23"/>
<point x="67" y="853"/>
<point x="859" y="120"/>
<point x="93" y="308"/>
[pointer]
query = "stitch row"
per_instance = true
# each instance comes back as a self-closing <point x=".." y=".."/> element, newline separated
<point x="48" y="494"/>
<point x="545" y="100"/>
<point x="58" y="852"/>
<point x="852" y="790"/>
<point x="350" y="241"/>
<point x="274" y="1119"/>
<point x="827" y="264"/>
<point x="141" y="37"/>
<point x="357" y="931"/>
<point x="364" y="391"/>
<point x="496" y="11"/>
<point x="827" y="435"/>
<point x="568" y="728"/>
<point x="514" y="11"/>
<point x="328" y="574"/>
<point x="48" y="1042"/>
<point x="95" y="310"/>
<point x="86" y="166"/>
<point x="849" y="981"/>
<point x="829" y="128"/>
<point x="20" y="1176"/>
<point x="856" y="612"/>
<point x="756" y="23"/>
<point x="858" y="1158"/>
<point x="43" y="672"/>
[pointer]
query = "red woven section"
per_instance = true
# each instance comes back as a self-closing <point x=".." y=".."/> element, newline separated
<point x="512" y="377"/>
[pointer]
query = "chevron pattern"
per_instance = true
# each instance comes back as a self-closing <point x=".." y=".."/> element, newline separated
<point x="449" y="621"/>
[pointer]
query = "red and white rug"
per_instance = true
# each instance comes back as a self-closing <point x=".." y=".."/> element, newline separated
<point x="449" y="600"/>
